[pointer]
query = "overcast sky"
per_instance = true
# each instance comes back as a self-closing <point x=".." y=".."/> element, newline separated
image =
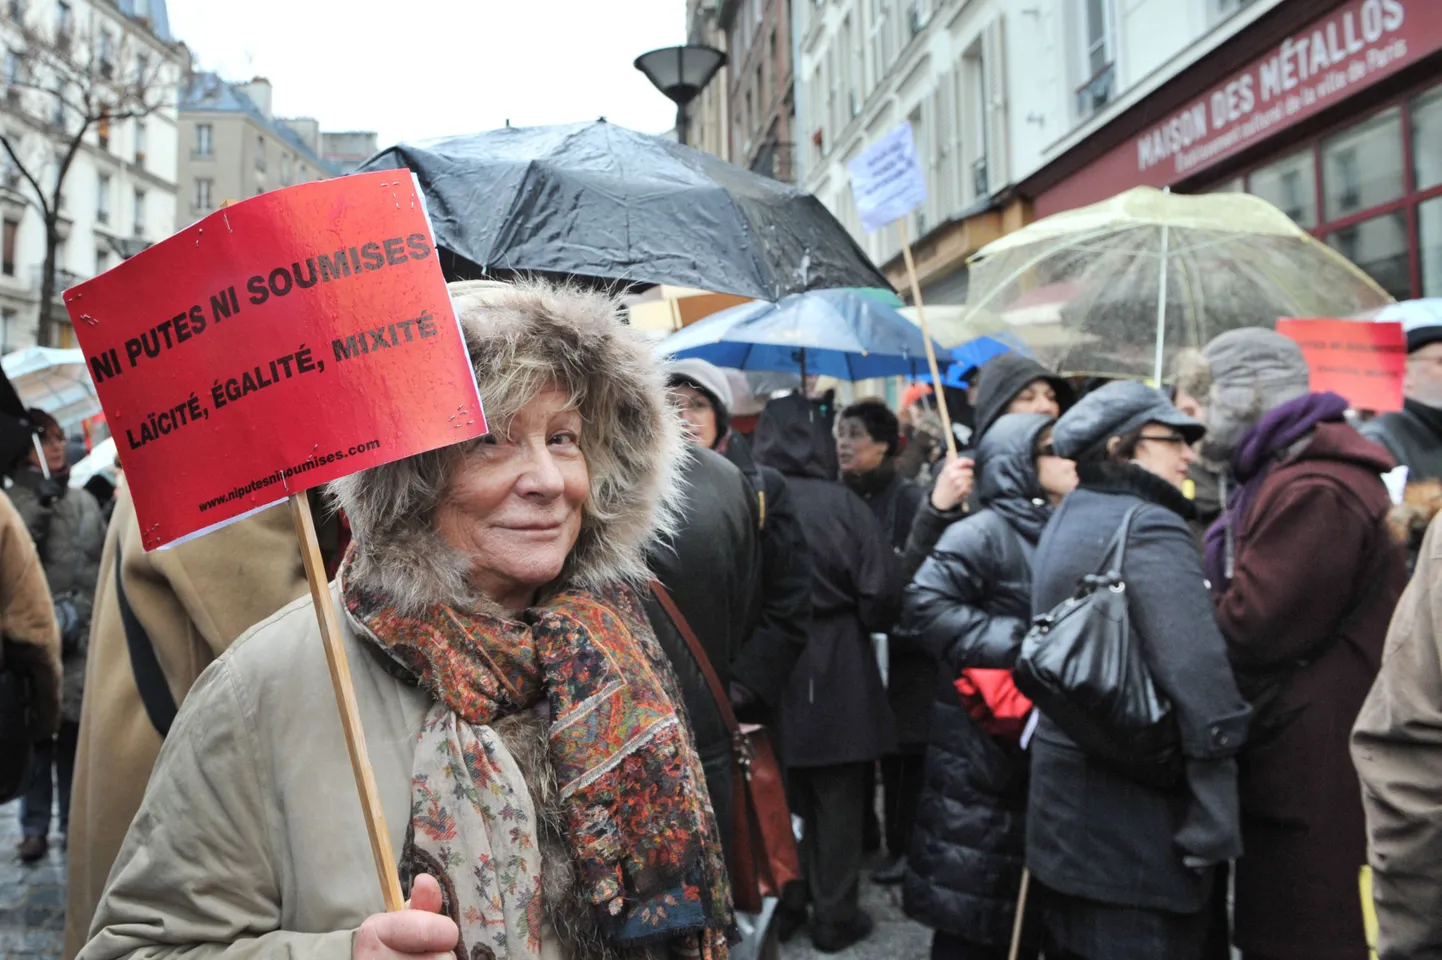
<point x="426" y="68"/>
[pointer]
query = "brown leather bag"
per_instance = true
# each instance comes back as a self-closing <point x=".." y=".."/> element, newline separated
<point x="763" y="848"/>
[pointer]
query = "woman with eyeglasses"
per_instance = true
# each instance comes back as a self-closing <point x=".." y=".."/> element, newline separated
<point x="1126" y="866"/>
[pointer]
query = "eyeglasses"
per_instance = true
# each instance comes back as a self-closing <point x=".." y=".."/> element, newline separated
<point x="1172" y="438"/>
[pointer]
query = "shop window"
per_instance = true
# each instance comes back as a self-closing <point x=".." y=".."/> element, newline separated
<point x="1290" y="184"/>
<point x="1427" y="138"/>
<point x="1429" y="246"/>
<point x="1379" y="247"/>
<point x="1363" y="166"/>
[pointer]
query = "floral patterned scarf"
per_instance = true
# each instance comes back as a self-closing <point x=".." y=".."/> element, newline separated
<point x="639" y="821"/>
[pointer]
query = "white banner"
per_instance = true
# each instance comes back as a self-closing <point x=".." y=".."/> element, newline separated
<point x="887" y="179"/>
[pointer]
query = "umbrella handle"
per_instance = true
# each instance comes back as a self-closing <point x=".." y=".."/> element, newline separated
<point x="40" y="452"/>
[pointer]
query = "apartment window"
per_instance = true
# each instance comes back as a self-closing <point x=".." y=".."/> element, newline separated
<point x="102" y="131"/>
<point x="107" y="54"/>
<point x="9" y="173"/>
<point x="204" y="140"/>
<point x="139" y="212"/>
<point x="141" y="142"/>
<point x="1098" y="37"/>
<point x="204" y="194"/>
<point x="16" y="10"/>
<point x="1363" y="166"/>
<point x="102" y="261"/>
<point x="1290" y="184"/>
<point x="918" y="14"/>
<point x="12" y="78"/>
<point x="102" y="198"/>
<point x="9" y="234"/>
<point x="64" y="17"/>
<point x="57" y="112"/>
<point x="879" y="32"/>
<point x="285" y="170"/>
<point x="8" y="318"/>
<point x="1098" y="59"/>
<point x="260" y="153"/>
<point x="142" y="71"/>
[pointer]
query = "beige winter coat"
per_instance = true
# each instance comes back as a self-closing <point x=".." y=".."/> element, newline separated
<point x="27" y="616"/>
<point x="1397" y="747"/>
<point x="250" y="841"/>
<point x="193" y="600"/>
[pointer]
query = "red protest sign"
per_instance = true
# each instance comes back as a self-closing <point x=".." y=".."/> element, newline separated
<point x="1364" y="362"/>
<point x="279" y="343"/>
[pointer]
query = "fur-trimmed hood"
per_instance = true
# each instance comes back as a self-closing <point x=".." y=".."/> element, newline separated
<point x="522" y="339"/>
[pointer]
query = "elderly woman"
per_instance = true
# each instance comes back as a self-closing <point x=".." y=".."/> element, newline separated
<point x="520" y="716"/>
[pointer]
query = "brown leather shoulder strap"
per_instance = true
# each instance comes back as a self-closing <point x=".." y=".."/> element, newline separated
<point x="723" y="702"/>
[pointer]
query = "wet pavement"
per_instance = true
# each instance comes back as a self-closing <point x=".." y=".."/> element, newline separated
<point x="895" y="937"/>
<point x="32" y="896"/>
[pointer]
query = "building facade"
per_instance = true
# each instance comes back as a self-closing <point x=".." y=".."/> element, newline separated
<point x="761" y="91"/>
<point x="119" y="192"/>
<point x="1330" y="109"/>
<point x="232" y="146"/>
<point x="346" y="150"/>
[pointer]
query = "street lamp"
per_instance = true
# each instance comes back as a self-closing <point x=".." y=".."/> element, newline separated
<point x="681" y="73"/>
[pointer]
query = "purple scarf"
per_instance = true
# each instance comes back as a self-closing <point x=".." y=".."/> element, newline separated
<point x="1260" y="448"/>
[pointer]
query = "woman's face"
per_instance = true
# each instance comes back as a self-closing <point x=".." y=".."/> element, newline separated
<point x="855" y="449"/>
<point x="52" y="441"/>
<point x="1036" y="397"/>
<point x="514" y="503"/>
<point x="1057" y="475"/>
<point x="698" y="414"/>
<point x="1165" y="452"/>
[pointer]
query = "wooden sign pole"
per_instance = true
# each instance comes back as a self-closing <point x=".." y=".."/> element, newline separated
<point x="355" y="741"/>
<point x="936" y="386"/>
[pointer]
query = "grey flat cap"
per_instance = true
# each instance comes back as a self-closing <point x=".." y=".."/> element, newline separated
<point x="1114" y="410"/>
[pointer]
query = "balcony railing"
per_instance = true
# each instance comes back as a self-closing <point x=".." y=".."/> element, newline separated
<point x="776" y="160"/>
<point x="64" y="279"/>
<point x="1096" y="92"/>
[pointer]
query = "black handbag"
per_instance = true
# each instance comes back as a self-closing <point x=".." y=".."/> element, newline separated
<point x="1081" y="664"/>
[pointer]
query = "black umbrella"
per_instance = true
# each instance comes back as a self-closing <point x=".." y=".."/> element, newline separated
<point x="598" y="200"/>
<point x="17" y="432"/>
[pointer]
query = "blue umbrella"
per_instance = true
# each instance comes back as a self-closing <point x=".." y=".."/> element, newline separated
<point x="972" y="354"/>
<point x="835" y="333"/>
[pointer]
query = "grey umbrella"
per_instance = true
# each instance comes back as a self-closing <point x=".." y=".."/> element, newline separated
<point x="598" y="200"/>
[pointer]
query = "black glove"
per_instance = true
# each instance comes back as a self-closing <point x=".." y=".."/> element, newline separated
<point x="49" y="490"/>
<point x="67" y="618"/>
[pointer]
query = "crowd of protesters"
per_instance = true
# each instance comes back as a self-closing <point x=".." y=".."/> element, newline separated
<point x="856" y="588"/>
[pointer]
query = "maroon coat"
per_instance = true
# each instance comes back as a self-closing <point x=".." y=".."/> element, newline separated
<point x="1313" y="561"/>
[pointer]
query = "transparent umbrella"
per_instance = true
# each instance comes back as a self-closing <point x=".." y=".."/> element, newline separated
<point x="1116" y="288"/>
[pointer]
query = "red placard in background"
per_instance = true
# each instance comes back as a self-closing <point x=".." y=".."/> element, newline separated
<point x="278" y="344"/>
<point x="1364" y="362"/>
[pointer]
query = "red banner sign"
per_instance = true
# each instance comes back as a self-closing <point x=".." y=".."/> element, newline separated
<point x="1364" y="362"/>
<point x="278" y="344"/>
<point x="1357" y="45"/>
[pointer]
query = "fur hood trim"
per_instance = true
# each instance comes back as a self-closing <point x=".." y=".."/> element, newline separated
<point x="524" y="338"/>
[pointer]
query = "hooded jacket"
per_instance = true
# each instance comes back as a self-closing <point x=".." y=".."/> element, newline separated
<point x="1002" y="378"/>
<point x="1316" y="577"/>
<point x="69" y="534"/>
<point x="969" y="606"/>
<point x="250" y="840"/>
<point x="834" y="709"/>
<point x="192" y="600"/>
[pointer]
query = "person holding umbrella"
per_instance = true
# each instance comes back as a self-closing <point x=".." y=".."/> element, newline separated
<point x="69" y="534"/>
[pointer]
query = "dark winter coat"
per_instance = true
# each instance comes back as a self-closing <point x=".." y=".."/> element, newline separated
<point x="1092" y="832"/>
<point x="709" y="567"/>
<point x="766" y="661"/>
<point x="911" y="671"/>
<point x="1312" y="557"/>
<point x="69" y="534"/>
<point x="969" y="605"/>
<point x="1413" y="436"/>
<point x="835" y="709"/>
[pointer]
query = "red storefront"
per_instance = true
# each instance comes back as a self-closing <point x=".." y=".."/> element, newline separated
<point x="1332" y="111"/>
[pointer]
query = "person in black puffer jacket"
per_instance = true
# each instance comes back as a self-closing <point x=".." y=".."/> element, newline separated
<point x="969" y="606"/>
